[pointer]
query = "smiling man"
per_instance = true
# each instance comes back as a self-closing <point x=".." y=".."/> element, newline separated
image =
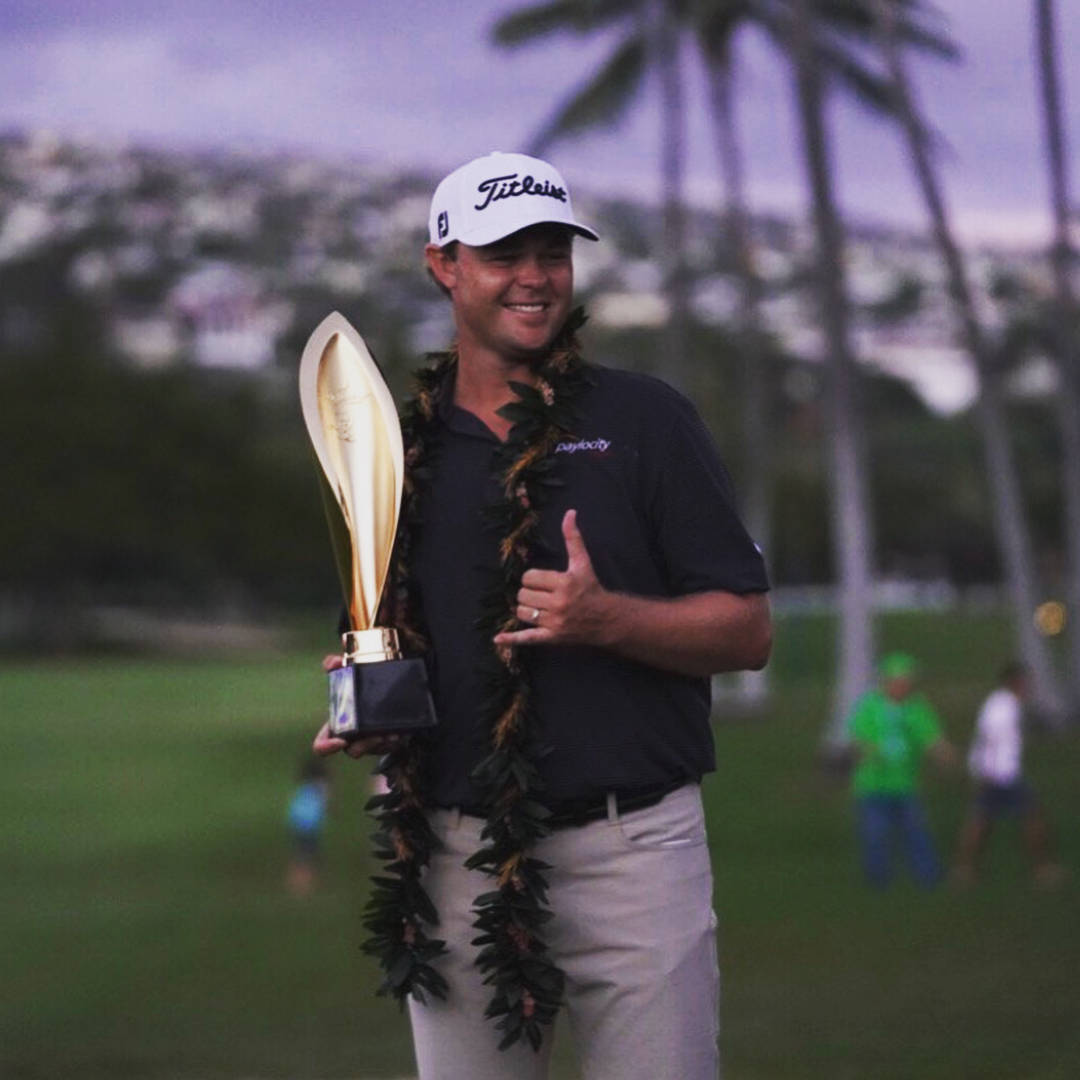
<point x="573" y="563"/>
<point x="510" y="299"/>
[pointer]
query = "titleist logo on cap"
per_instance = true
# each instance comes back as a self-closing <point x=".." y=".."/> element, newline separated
<point x="510" y="187"/>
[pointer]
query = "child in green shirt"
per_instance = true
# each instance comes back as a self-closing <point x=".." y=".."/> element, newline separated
<point x="892" y="728"/>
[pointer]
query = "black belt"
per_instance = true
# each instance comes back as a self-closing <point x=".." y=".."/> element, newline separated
<point x="568" y="813"/>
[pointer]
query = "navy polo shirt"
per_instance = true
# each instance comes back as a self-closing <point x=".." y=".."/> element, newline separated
<point x="655" y="508"/>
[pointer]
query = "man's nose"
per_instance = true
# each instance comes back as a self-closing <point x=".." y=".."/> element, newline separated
<point x="531" y="271"/>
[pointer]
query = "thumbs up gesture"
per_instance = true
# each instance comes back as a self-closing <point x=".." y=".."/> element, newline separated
<point x="563" y="607"/>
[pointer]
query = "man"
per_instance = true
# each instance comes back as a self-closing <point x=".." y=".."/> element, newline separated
<point x="579" y="571"/>
<point x="995" y="763"/>
<point x="891" y="728"/>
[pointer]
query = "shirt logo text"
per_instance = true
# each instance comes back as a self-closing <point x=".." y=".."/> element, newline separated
<point x="595" y="446"/>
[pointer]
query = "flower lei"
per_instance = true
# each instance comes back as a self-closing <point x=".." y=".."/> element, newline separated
<point x="527" y="986"/>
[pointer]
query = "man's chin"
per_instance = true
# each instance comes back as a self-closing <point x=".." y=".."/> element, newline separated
<point x="530" y="352"/>
<point x="535" y="355"/>
<point x="536" y="349"/>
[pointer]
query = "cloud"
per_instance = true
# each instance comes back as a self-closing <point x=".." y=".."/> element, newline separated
<point x="364" y="93"/>
<point x="396" y="80"/>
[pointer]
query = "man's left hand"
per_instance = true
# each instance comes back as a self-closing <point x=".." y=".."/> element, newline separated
<point x="563" y="607"/>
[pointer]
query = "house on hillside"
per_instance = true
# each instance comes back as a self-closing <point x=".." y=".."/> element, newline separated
<point x="226" y="318"/>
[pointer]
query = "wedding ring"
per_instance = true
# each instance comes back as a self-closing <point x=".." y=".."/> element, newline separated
<point x="535" y="617"/>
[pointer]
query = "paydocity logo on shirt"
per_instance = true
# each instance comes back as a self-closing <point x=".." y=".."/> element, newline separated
<point x="593" y="448"/>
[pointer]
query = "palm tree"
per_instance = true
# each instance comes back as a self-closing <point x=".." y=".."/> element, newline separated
<point x="649" y="39"/>
<point x="1013" y="537"/>
<point x="821" y="38"/>
<point x="851" y="536"/>
<point x="1063" y="318"/>
<point x="838" y="30"/>
<point x="715" y="29"/>
<point x="664" y="37"/>
<point x="829" y="36"/>
<point x="715" y="25"/>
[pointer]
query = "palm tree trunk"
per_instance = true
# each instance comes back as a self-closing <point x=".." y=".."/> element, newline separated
<point x="756" y="437"/>
<point x="1014" y="541"/>
<point x="851" y="534"/>
<point x="1068" y="354"/>
<point x="663" y="36"/>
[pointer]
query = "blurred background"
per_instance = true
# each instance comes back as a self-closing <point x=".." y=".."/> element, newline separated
<point x="846" y="228"/>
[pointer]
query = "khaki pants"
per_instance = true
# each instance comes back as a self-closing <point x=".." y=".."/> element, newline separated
<point x="633" y="930"/>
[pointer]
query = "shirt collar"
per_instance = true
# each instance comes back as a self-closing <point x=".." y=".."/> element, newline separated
<point x="461" y="421"/>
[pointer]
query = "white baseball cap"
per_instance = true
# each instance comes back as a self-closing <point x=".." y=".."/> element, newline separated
<point x="496" y="195"/>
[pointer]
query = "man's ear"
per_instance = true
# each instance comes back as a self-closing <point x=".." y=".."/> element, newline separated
<point x="442" y="266"/>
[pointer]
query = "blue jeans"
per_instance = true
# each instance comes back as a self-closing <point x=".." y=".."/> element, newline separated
<point x="879" y="817"/>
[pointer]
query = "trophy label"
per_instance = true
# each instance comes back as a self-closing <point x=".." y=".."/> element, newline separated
<point x="343" y="718"/>
<point x="378" y="699"/>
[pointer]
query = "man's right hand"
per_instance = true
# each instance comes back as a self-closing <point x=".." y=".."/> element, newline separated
<point x="326" y="744"/>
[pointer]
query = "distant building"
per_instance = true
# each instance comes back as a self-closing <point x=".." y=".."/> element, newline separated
<point x="204" y="256"/>
<point x="151" y="342"/>
<point x="225" y="317"/>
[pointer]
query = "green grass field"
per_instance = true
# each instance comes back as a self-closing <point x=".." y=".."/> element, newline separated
<point x="146" y="930"/>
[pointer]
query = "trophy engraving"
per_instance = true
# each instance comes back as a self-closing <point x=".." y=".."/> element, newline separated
<point x="351" y="420"/>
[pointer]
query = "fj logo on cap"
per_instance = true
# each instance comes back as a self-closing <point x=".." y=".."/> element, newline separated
<point x="510" y="187"/>
<point x="444" y="224"/>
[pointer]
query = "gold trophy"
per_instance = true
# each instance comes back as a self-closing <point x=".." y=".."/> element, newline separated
<point x="353" y="426"/>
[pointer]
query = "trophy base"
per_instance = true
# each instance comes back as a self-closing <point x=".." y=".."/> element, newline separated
<point x="389" y="697"/>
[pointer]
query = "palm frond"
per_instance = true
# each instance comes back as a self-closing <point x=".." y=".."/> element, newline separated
<point x="871" y="89"/>
<point x="867" y="86"/>
<point x="715" y="23"/>
<point x="918" y="24"/>
<point x="542" y="20"/>
<point x="602" y="100"/>
<point x="928" y="41"/>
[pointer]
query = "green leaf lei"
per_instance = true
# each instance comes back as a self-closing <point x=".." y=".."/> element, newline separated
<point x="527" y="986"/>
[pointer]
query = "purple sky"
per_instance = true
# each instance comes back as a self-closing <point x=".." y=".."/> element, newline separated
<point x="405" y="82"/>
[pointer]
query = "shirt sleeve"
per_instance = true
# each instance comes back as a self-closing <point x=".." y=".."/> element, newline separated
<point x="701" y="542"/>
<point x="860" y="723"/>
<point x="925" y="725"/>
